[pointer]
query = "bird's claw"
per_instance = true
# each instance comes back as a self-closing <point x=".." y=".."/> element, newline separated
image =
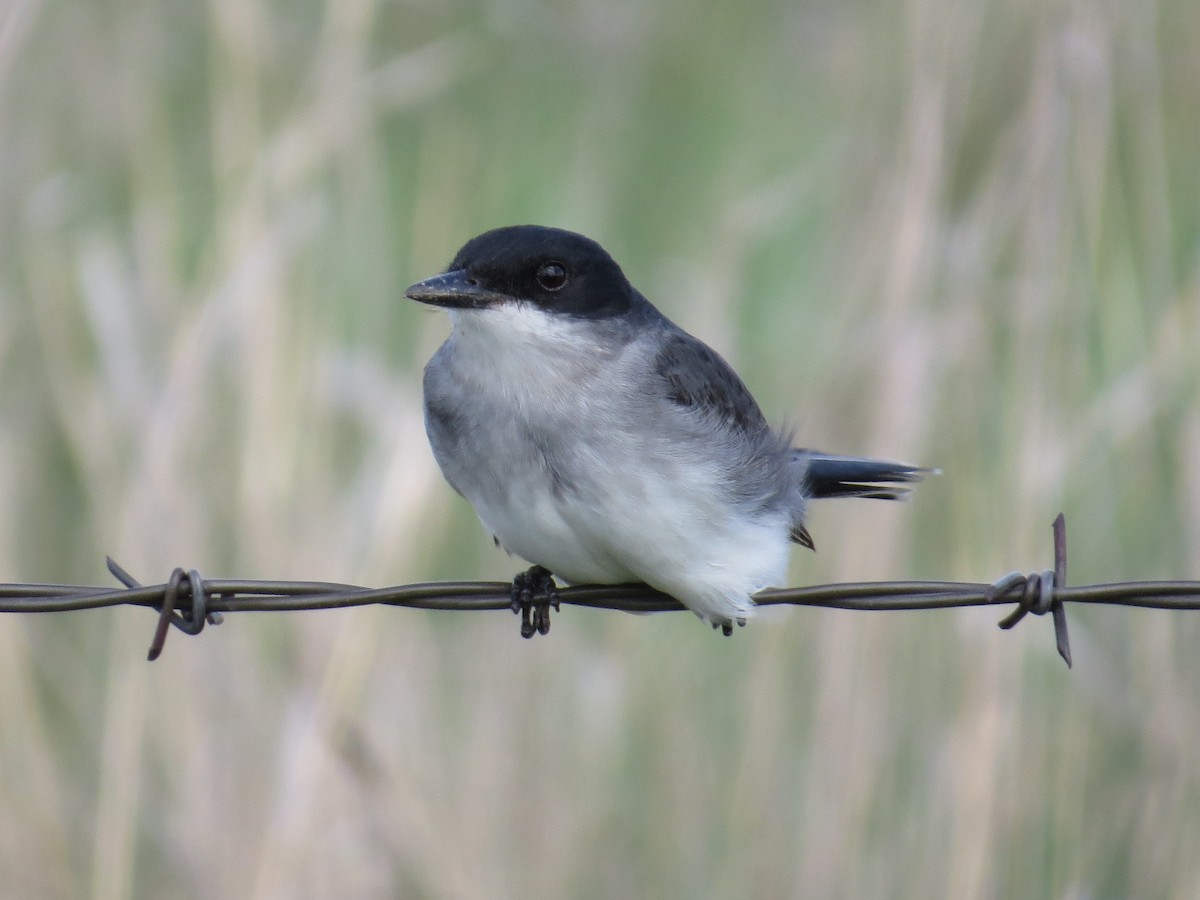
<point x="726" y="626"/>
<point x="533" y="594"/>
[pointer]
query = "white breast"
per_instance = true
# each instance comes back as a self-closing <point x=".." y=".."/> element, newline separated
<point x="638" y="511"/>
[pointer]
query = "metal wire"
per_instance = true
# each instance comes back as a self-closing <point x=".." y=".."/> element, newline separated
<point x="188" y="601"/>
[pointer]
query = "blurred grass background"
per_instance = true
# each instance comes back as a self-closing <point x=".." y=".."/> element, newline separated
<point x="964" y="234"/>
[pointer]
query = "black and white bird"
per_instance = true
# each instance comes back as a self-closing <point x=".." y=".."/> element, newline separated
<point x="604" y="444"/>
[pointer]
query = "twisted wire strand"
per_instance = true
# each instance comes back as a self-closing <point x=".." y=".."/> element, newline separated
<point x="188" y="601"/>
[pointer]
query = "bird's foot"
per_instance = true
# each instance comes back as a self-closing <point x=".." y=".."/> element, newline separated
<point x="726" y="626"/>
<point x="533" y="593"/>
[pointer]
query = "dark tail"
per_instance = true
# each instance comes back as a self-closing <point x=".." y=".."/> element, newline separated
<point x="856" y="476"/>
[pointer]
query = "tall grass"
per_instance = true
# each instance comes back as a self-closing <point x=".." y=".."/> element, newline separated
<point x="962" y="234"/>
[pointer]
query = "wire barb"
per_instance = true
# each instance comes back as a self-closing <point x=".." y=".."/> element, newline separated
<point x="1039" y="592"/>
<point x="197" y="600"/>
<point x="189" y="602"/>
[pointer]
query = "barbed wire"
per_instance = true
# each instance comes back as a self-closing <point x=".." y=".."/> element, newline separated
<point x="189" y="602"/>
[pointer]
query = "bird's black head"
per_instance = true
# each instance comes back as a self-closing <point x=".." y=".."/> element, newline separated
<point x="558" y="271"/>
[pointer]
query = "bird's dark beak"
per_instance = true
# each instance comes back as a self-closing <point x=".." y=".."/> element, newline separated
<point x="455" y="289"/>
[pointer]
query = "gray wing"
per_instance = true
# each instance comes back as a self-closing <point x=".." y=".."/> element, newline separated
<point x="696" y="378"/>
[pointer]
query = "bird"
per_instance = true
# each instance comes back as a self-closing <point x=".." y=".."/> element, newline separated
<point x="603" y="444"/>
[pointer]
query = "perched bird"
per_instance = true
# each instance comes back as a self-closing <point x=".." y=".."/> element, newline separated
<point x="601" y="442"/>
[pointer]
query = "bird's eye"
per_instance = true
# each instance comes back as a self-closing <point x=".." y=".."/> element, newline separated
<point x="552" y="276"/>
